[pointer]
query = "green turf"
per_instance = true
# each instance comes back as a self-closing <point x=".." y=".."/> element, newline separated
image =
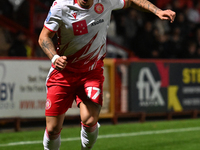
<point x="189" y="140"/>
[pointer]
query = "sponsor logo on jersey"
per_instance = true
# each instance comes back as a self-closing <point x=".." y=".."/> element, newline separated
<point x="74" y="15"/>
<point x="98" y="8"/>
<point x="80" y="27"/>
<point x="97" y="22"/>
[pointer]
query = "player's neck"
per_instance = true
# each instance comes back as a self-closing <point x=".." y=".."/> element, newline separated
<point x="85" y="3"/>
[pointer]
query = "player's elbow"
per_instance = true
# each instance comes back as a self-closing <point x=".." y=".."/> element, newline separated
<point x="40" y="40"/>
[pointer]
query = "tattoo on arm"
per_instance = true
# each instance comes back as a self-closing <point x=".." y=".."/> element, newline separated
<point x="145" y="4"/>
<point x="47" y="47"/>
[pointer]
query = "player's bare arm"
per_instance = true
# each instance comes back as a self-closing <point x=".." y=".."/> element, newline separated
<point x="145" y="5"/>
<point x="46" y="43"/>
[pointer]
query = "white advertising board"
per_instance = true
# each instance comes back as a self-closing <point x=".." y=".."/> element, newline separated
<point x="22" y="88"/>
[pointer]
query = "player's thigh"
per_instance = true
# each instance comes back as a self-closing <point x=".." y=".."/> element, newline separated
<point x="59" y="99"/>
<point x="90" y="96"/>
<point x="89" y="112"/>
<point x="54" y="124"/>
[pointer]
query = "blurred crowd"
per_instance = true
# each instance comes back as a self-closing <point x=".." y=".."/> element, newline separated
<point x="149" y="37"/>
<point x="142" y="33"/>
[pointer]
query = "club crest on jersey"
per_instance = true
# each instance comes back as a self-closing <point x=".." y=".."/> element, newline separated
<point x="48" y="104"/>
<point x="98" y="8"/>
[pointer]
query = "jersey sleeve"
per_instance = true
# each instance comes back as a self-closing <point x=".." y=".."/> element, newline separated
<point x="118" y="4"/>
<point x="54" y="18"/>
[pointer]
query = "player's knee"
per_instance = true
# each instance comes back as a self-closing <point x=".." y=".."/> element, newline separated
<point x="91" y="121"/>
<point x="53" y="132"/>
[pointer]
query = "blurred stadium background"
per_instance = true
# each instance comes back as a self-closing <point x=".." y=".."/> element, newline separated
<point x="152" y="69"/>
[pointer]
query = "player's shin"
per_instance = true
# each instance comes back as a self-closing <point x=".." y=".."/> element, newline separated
<point x="88" y="136"/>
<point x="51" y="144"/>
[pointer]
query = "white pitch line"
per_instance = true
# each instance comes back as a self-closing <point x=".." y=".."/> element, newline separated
<point x="110" y="136"/>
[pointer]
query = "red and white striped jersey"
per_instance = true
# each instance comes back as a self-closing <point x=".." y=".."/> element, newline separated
<point x="81" y="32"/>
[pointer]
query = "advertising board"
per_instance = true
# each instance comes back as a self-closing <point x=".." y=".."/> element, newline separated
<point x="22" y="88"/>
<point x="163" y="87"/>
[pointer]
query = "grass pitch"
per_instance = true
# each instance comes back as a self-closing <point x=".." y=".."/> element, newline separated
<point x="160" y="135"/>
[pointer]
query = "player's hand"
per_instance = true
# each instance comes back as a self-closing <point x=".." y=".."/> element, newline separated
<point x="166" y="15"/>
<point x="60" y="63"/>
